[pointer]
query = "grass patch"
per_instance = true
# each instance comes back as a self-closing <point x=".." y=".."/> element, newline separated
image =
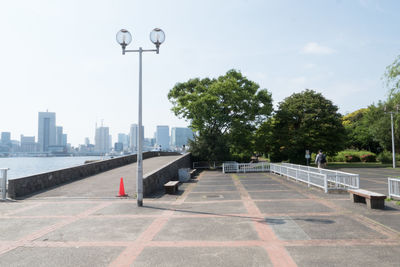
<point x="388" y="199"/>
<point x="337" y="165"/>
<point x="398" y="203"/>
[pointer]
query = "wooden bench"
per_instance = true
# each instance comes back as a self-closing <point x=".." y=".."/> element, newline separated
<point x="372" y="199"/>
<point x="171" y="187"/>
<point x="192" y="173"/>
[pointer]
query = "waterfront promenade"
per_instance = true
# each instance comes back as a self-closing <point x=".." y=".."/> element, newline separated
<point x="216" y="220"/>
<point x="106" y="184"/>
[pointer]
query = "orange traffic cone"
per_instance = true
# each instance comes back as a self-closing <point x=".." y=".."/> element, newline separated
<point x="121" y="189"/>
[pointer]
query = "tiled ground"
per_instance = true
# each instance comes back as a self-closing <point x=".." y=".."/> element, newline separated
<point x="217" y="220"/>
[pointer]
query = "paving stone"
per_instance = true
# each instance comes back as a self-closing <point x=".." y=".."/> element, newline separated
<point x="288" y="207"/>
<point x="212" y="196"/>
<point x="208" y="229"/>
<point x="335" y="227"/>
<point x="57" y="208"/>
<point x="338" y="256"/>
<point x="47" y="256"/>
<point x="214" y="208"/>
<point x="204" y="256"/>
<point x="132" y="209"/>
<point x="213" y="188"/>
<point x="100" y="229"/>
<point x="16" y="228"/>
<point x="277" y="195"/>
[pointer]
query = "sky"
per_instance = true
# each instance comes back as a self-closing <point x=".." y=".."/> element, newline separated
<point x="62" y="56"/>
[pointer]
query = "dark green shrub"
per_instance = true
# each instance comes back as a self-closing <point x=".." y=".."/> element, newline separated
<point x="368" y="158"/>
<point x="385" y="157"/>
<point x="352" y="158"/>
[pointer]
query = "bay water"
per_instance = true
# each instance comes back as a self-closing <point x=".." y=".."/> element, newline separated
<point x="25" y="166"/>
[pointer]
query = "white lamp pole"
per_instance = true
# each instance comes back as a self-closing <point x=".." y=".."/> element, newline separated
<point x="392" y="128"/>
<point x="157" y="36"/>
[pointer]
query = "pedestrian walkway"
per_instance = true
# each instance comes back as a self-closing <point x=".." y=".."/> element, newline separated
<point x="106" y="184"/>
<point x="218" y="220"/>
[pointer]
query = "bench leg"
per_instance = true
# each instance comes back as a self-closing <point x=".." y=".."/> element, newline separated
<point x="357" y="198"/>
<point x="376" y="203"/>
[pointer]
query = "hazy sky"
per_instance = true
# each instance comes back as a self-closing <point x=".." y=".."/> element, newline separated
<point x="62" y="56"/>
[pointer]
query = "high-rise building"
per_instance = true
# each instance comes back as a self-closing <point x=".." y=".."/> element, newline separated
<point x="28" y="144"/>
<point x="162" y="137"/>
<point x="87" y="141"/>
<point x="59" y="135"/>
<point x="64" y="140"/>
<point x="102" y="139"/>
<point x="180" y="136"/>
<point x="133" y="136"/>
<point x="46" y="130"/>
<point x="124" y="140"/>
<point x="6" y="138"/>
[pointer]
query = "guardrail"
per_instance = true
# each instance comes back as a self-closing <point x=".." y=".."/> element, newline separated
<point x="245" y="167"/>
<point x="3" y="183"/>
<point x="308" y="177"/>
<point x="336" y="179"/>
<point x="394" y="187"/>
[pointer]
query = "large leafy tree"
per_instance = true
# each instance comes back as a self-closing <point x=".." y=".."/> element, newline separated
<point x="225" y="113"/>
<point x="359" y="131"/>
<point x="392" y="77"/>
<point x="306" y="121"/>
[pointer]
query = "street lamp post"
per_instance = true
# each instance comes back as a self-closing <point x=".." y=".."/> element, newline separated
<point x="391" y="124"/>
<point x="124" y="38"/>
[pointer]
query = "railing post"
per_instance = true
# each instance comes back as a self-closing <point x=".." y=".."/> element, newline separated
<point x="223" y="168"/>
<point x="308" y="178"/>
<point x="389" y="187"/>
<point x="4" y="183"/>
<point x="326" y="183"/>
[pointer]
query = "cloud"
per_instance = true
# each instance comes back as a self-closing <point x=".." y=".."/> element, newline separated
<point x="317" y="49"/>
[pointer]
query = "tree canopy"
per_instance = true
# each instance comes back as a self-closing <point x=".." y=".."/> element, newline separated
<point x="306" y="121"/>
<point x="225" y="112"/>
<point x="392" y="76"/>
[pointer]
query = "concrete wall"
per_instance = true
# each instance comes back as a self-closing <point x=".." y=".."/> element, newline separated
<point x="156" y="180"/>
<point x="35" y="183"/>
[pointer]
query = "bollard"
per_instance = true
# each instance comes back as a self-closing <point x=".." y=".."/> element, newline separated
<point x="4" y="183"/>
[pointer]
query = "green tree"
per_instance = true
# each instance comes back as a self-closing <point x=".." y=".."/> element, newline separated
<point x="359" y="131"/>
<point x="225" y="113"/>
<point x="306" y="121"/>
<point x="392" y="77"/>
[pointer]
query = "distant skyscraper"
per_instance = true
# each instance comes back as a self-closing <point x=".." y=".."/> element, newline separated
<point x="180" y="136"/>
<point x="123" y="139"/>
<point x="87" y="141"/>
<point x="46" y="130"/>
<point x="28" y="144"/>
<point x="133" y="135"/>
<point x="162" y="137"/>
<point x="6" y="138"/>
<point x="59" y="135"/>
<point x="102" y="139"/>
<point x="64" y="140"/>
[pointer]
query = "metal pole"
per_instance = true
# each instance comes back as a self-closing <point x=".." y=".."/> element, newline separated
<point x="4" y="184"/>
<point x="393" y="152"/>
<point x="139" y="176"/>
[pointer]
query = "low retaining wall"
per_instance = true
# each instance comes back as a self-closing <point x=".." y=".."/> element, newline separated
<point x="31" y="184"/>
<point x="155" y="181"/>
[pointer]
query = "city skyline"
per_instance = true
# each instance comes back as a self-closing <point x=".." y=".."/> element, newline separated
<point x="62" y="56"/>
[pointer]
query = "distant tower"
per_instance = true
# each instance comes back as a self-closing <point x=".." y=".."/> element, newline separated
<point x="162" y="136"/>
<point x="59" y="135"/>
<point x="133" y="134"/>
<point x="46" y="130"/>
<point x="102" y="139"/>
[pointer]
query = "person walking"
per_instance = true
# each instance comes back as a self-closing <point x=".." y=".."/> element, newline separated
<point x="320" y="159"/>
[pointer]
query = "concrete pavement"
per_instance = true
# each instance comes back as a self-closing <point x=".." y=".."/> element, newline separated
<point x="106" y="184"/>
<point x="217" y="220"/>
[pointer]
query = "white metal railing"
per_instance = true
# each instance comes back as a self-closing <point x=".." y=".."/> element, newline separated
<point x="336" y="179"/>
<point x="394" y="187"/>
<point x="3" y="183"/>
<point x="308" y="177"/>
<point x="245" y="167"/>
